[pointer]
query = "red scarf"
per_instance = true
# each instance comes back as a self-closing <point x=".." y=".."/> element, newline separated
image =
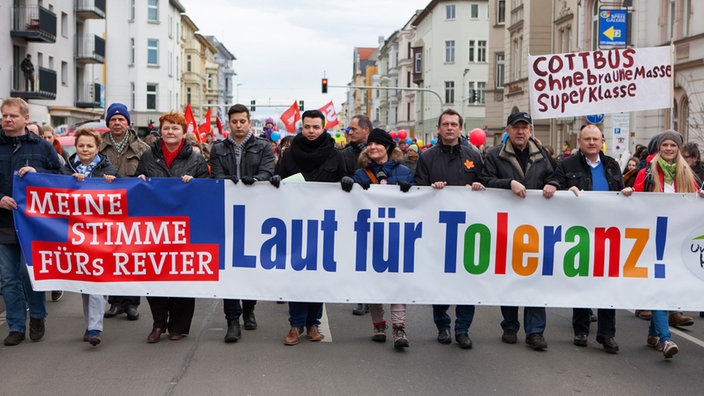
<point x="170" y="156"/>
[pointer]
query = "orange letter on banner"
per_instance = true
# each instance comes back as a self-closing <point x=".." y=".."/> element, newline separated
<point x="641" y="236"/>
<point x="525" y="240"/>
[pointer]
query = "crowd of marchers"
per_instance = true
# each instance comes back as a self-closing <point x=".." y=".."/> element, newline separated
<point x="371" y="156"/>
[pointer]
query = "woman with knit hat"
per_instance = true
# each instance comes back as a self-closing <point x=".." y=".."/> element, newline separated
<point x="380" y="163"/>
<point x="669" y="173"/>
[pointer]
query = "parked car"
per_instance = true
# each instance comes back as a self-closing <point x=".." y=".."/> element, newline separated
<point x="98" y="125"/>
<point x="68" y="143"/>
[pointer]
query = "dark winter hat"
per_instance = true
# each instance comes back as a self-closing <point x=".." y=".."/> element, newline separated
<point x="117" y="108"/>
<point x="517" y="117"/>
<point x="653" y="146"/>
<point x="670" y="135"/>
<point x="380" y="136"/>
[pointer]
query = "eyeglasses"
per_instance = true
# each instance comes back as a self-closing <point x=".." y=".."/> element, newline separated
<point x="685" y="156"/>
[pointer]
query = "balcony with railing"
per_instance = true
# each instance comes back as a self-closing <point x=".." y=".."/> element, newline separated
<point x="89" y="95"/>
<point x="90" y="9"/>
<point x="90" y="49"/>
<point x="33" y="23"/>
<point x="41" y="85"/>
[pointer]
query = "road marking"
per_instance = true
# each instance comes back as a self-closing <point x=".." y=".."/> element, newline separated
<point x="325" y="326"/>
<point x="692" y="339"/>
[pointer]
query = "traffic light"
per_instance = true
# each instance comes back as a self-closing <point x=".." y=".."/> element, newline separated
<point x="252" y="105"/>
<point x="300" y="105"/>
<point x="325" y="85"/>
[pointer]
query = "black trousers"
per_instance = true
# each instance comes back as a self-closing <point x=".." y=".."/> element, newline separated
<point x="606" y="322"/>
<point x="124" y="300"/>
<point x="172" y="313"/>
<point x="233" y="309"/>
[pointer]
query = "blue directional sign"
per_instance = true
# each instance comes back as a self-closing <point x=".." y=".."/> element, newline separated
<point x="595" y="118"/>
<point x="612" y="28"/>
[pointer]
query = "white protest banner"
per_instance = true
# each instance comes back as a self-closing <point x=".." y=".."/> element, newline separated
<point x="314" y="242"/>
<point x="608" y="81"/>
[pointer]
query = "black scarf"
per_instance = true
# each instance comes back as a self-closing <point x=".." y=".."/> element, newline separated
<point x="310" y="154"/>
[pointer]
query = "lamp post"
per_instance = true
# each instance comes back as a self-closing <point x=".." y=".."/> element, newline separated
<point x="464" y="92"/>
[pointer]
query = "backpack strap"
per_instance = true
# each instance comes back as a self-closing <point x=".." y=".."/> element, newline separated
<point x="371" y="176"/>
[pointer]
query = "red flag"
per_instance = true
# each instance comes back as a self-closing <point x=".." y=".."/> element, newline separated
<point x="330" y="115"/>
<point x="190" y="120"/>
<point x="291" y="116"/>
<point x="205" y="124"/>
<point x="221" y="128"/>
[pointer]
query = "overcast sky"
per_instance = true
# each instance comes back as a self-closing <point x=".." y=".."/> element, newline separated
<point x="284" y="47"/>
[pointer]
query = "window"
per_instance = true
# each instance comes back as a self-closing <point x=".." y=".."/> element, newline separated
<point x="481" y="88"/>
<point x="565" y="39"/>
<point x="501" y="12"/>
<point x="675" y="115"/>
<point x="449" y="92"/>
<point x="209" y="84"/>
<point x="418" y="64"/>
<point x="516" y="58"/>
<point x="408" y="79"/>
<point x="472" y="48"/>
<point x="671" y="21"/>
<point x="499" y="77"/>
<point x="51" y="63"/>
<point x="152" y="52"/>
<point x="64" y="73"/>
<point x="151" y="96"/>
<point x="481" y="51"/>
<point x="471" y="92"/>
<point x="189" y="94"/>
<point x="132" y="51"/>
<point x="188" y="63"/>
<point x="171" y="26"/>
<point x="450" y="51"/>
<point x="474" y="11"/>
<point x="132" y="10"/>
<point x="133" y="95"/>
<point x="171" y="63"/>
<point x="153" y="11"/>
<point x="64" y="24"/>
<point x="450" y="11"/>
<point x="685" y="17"/>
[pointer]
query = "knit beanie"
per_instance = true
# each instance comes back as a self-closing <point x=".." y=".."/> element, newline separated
<point x="380" y="136"/>
<point x="115" y="109"/>
<point x="670" y="135"/>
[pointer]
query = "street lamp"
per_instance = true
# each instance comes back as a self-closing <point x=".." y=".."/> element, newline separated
<point x="237" y="89"/>
<point x="464" y="92"/>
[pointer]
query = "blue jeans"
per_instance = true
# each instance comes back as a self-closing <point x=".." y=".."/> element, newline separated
<point x="304" y="314"/>
<point x="17" y="289"/>
<point x="534" y="319"/>
<point x="660" y="326"/>
<point x="464" y="314"/>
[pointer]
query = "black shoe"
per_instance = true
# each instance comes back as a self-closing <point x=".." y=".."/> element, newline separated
<point x="701" y="314"/>
<point x="36" y="329"/>
<point x="233" y="331"/>
<point x="444" y="336"/>
<point x="464" y="340"/>
<point x="132" y="313"/>
<point x="14" y="338"/>
<point x="536" y="341"/>
<point x="56" y="295"/>
<point x="114" y="311"/>
<point x="610" y="345"/>
<point x="250" y="322"/>
<point x="580" y="340"/>
<point x="509" y="337"/>
<point x="361" y="309"/>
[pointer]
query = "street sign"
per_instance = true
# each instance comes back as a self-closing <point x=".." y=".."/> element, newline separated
<point x="612" y="27"/>
<point x="595" y="118"/>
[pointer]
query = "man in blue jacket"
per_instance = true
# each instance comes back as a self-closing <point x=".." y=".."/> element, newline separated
<point x="23" y="152"/>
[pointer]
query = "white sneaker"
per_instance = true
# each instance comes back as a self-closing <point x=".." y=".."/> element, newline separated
<point x="669" y="349"/>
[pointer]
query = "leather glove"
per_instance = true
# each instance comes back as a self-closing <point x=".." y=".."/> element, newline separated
<point x="365" y="184"/>
<point x="248" y="180"/>
<point x="234" y="179"/>
<point x="405" y="186"/>
<point x="275" y="181"/>
<point x="346" y="183"/>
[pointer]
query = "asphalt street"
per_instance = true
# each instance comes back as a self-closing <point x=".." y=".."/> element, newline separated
<point x="347" y="362"/>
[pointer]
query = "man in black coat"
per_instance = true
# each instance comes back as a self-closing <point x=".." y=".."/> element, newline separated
<point x="589" y="170"/>
<point x="242" y="156"/>
<point x="520" y="164"/>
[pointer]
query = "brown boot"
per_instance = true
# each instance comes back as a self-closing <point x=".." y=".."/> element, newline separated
<point x="678" y="319"/>
<point x="643" y="314"/>
<point x="293" y="336"/>
<point x="155" y="335"/>
<point x="314" y="334"/>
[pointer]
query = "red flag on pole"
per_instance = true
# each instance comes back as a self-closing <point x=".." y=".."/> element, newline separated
<point x="205" y="124"/>
<point x="291" y="116"/>
<point x="190" y="120"/>
<point x="330" y="115"/>
<point x="221" y="129"/>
